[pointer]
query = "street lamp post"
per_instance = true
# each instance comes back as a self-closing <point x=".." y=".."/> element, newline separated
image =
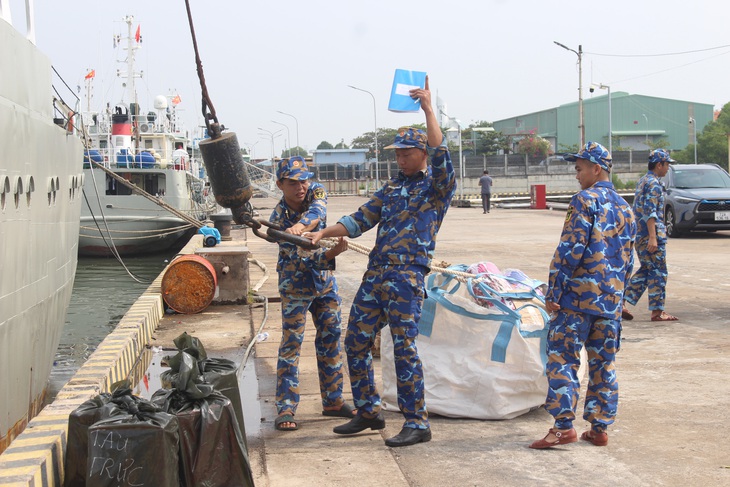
<point x="461" y="167"/>
<point x="252" y="149"/>
<point x="694" y="125"/>
<point x="288" y="138"/>
<point x="297" y="126"/>
<point x="461" y="158"/>
<point x="610" y="130"/>
<point x="375" y="118"/>
<point x="271" y="135"/>
<point x="578" y="53"/>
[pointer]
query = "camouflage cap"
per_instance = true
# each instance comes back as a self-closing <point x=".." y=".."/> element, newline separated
<point x="660" y="155"/>
<point x="595" y="153"/>
<point x="293" y="168"/>
<point x="409" y="138"/>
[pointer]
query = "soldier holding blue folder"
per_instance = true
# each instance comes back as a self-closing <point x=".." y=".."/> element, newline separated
<point x="408" y="211"/>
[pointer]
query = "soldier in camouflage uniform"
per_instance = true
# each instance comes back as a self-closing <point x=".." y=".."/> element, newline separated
<point x="306" y="283"/>
<point x="588" y="274"/>
<point x="408" y="211"/>
<point x="651" y="240"/>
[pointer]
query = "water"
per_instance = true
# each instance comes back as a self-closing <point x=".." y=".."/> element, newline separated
<point x="102" y="294"/>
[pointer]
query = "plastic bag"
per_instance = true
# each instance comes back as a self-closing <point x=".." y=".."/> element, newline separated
<point x="212" y="449"/>
<point x="138" y="448"/>
<point x="222" y="375"/>
<point x="79" y="421"/>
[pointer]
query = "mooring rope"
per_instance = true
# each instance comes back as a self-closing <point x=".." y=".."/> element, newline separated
<point x="440" y="267"/>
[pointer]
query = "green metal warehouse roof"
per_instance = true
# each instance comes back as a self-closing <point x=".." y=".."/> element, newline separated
<point x="633" y="117"/>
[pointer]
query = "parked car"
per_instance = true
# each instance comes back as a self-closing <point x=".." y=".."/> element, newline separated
<point x="697" y="198"/>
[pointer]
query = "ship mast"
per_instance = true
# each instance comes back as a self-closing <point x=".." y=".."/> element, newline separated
<point x="133" y="43"/>
<point x="89" y="95"/>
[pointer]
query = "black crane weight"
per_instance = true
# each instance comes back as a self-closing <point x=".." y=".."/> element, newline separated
<point x="227" y="173"/>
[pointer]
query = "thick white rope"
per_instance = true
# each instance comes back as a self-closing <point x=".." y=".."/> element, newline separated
<point x="362" y="249"/>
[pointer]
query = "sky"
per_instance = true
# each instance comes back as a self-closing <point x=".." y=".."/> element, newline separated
<point x="486" y="59"/>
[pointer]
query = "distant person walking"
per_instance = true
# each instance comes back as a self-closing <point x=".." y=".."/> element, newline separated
<point x="651" y="240"/>
<point x="486" y="183"/>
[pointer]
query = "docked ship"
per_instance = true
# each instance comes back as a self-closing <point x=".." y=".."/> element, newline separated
<point x="40" y="180"/>
<point x="152" y="151"/>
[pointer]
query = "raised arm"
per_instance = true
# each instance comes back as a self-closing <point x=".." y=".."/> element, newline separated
<point x="432" y="125"/>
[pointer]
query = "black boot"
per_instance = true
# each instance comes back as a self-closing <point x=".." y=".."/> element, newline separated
<point x="409" y="436"/>
<point x="360" y="423"/>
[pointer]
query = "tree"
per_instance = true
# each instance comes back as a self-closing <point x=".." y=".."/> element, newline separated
<point x="487" y="143"/>
<point x="534" y="146"/>
<point x="324" y="145"/>
<point x="293" y="151"/>
<point x="367" y="140"/>
<point x="341" y="145"/>
<point x="661" y="143"/>
<point x="711" y="143"/>
<point x="568" y="149"/>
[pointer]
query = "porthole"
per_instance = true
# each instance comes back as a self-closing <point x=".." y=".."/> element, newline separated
<point x="17" y="191"/>
<point x="4" y="191"/>
<point x="52" y="187"/>
<point x="29" y="188"/>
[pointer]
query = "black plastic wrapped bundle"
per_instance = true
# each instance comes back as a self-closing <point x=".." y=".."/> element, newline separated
<point x="212" y="448"/>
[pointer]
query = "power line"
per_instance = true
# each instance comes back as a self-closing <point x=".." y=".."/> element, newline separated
<point x="657" y="55"/>
<point x="670" y="69"/>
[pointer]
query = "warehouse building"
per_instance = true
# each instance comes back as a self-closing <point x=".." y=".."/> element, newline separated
<point x="637" y="121"/>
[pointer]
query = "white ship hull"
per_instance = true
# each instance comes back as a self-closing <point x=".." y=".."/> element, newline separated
<point x="132" y="224"/>
<point x="151" y="150"/>
<point x="40" y="179"/>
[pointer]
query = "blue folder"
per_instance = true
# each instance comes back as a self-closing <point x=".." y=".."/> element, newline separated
<point x="404" y="81"/>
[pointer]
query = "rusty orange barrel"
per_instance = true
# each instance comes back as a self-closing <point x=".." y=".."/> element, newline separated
<point x="189" y="283"/>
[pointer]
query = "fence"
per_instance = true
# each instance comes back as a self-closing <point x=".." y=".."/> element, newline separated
<point x="352" y="179"/>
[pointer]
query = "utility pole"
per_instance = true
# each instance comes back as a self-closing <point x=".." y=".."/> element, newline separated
<point x="581" y="125"/>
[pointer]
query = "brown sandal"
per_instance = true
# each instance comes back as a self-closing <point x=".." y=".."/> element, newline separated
<point x="664" y="317"/>
<point x="562" y="438"/>
<point x="598" y="439"/>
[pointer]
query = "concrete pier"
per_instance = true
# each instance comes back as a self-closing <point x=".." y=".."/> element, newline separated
<point x="672" y="418"/>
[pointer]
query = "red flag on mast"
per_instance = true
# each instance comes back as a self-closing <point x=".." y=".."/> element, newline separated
<point x="91" y="74"/>
<point x="137" y="36"/>
<point x="176" y="99"/>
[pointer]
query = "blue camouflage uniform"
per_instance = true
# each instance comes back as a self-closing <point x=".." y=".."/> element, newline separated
<point x="307" y="284"/>
<point x="408" y="212"/>
<point x="589" y="271"/>
<point x="648" y="204"/>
